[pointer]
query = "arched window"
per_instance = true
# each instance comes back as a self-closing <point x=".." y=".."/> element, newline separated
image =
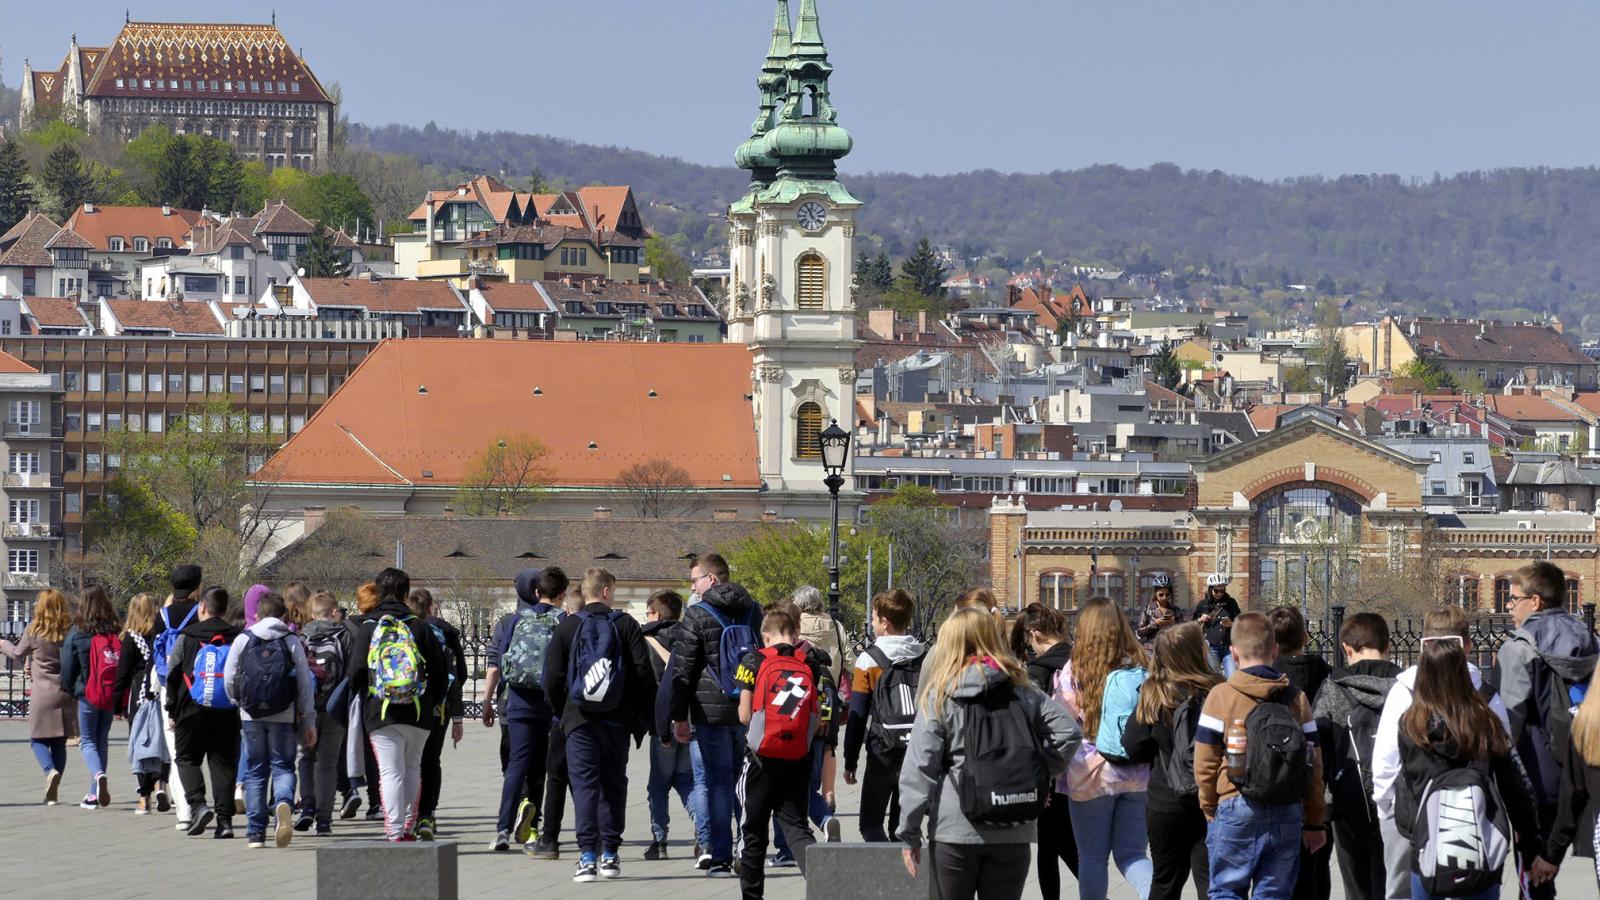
<point x="812" y="284"/>
<point x="1502" y="595"/>
<point x="1109" y="584"/>
<point x="1057" y="590"/>
<point x="808" y="431"/>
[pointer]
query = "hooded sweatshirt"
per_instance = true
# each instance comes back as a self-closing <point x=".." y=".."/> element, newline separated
<point x="303" y="710"/>
<point x="862" y="681"/>
<point x="252" y="601"/>
<point x="1233" y="700"/>
<point x="1386" y="752"/>
<point x="1551" y="641"/>
<point x="521" y="704"/>
<point x="180" y="706"/>
<point x="695" y="694"/>
<point x="937" y="753"/>
<point x="1352" y="693"/>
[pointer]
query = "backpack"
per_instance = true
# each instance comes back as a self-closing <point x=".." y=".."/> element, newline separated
<point x="395" y="664"/>
<point x="205" y="681"/>
<point x="327" y="657"/>
<point x="785" y="705"/>
<point x="522" y="663"/>
<point x="1277" y="768"/>
<point x="893" y="705"/>
<point x="1557" y="700"/>
<point x="737" y="642"/>
<point x="1117" y="702"/>
<point x="1350" y="781"/>
<point x="596" y="671"/>
<point x="1461" y="837"/>
<point x="266" y="676"/>
<point x="449" y="667"/>
<point x="168" y="639"/>
<point x="105" y="651"/>
<point x="1004" y="778"/>
<point x="1179" y="764"/>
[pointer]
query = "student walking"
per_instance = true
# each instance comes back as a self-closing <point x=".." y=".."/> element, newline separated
<point x="178" y="613"/>
<point x="399" y="673"/>
<point x="1576" y="818"/>
<point x="1162" y="734"/>
<point x="883" y="709"/>
<point x="447" y="718"/>
<point x="138" y="700"/>
<point x="603" y="689"/>
<point x="1308" y="674"/>
<point x="515" y="666"/>
<point x="360" y="765"/>
<point x="821" y="630"/>
<point x="1160" y="613"/>
<point x="671" y="760"/>
<point x="984" y="743"/>
<point x="205" y="722"/>
<point x="52" y="713"/>
<point x="89" y="659"/>
<point x="268" y="679"/>
<point x="1040" y="637"/>
<point x="1106" y="789"/>
<point x="1257" y="771"/>
<point x="327" y="651"/>
<point x="557" y="784"/>
<point x="1347" y="711"/>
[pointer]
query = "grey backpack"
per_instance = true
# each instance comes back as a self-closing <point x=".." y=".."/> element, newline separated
<point x="523" y="662"/>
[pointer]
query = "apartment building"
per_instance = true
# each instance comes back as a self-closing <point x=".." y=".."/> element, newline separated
<point x="31" y="437"/>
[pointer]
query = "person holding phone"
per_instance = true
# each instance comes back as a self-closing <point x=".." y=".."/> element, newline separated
<point x="1160" y="613"/>
<point x="1216" y="612"/>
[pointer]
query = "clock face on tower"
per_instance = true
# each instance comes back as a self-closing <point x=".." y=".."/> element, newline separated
<point x="812" y="216"/>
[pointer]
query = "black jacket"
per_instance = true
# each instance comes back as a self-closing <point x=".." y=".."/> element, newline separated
<point x="373" y="714"/>
<point x="1574" y="822"/>
<point x="1305" y="672"/>
<point x="1152" y="744"/>
<point x="1226" y="608"/>
<point x="452" y="637"/>
<point x="1354" y="693"/>
<point x="695" y="694"/>
<point x="1042" y="669"/>
<point x="639" y="687"/>
<point x="133" y="671"/>
<point x="180" y="706"/>
<point x="1418" y="765"/>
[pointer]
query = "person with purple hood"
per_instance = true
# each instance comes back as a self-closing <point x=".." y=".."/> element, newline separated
<point x="252" y="600"/>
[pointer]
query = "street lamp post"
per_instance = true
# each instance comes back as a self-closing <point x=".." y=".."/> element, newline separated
<point x="835" y="448"/>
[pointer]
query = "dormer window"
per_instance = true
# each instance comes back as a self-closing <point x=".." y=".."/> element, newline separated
<point x="141" y="245"/>
<point x="163" y="243"/>
<point x="115" y="244"/>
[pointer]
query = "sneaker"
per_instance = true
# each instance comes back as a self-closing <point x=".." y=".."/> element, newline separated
<point x="305" y="820"/>
<point x="181" y="825"/>
<point x="199" y="817"/>
<point x="424" y="831"/>
<point x="143" y="809"/>
<point x="610" y="866"/>
<point x="350" y="806"/>
<point x="830" y="830"/>
<point x="52" y="787"/>
<point x="284" y="829"/>
<point x="374" y="814"/>
<point x="542" y="849"/>
<point x="523" y="832"/>
<point x="782" y="861"/>
<point x="324" y="829"/>
<point x="102" y="789"/>
<point x="586" y="869"/>
<point x="257" y="842"/>
<point x="656" y="850"/>
<point x="720" y="870"/>
<point x="702" y="860"/>
<point x="88" y="803"/>
<point x="501" y="842"/>
<point x="238" y="799"/>
<point x="163" y="802"/>
<point x="224" y="830"/>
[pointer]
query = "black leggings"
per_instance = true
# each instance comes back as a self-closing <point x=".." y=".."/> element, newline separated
<point x="979" y="871"/>
<point x="1177" y="849"/>
<point x="1056" y="845"/>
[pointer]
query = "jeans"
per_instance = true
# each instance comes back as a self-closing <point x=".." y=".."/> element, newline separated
<point x="51" y="753"/>
<point x="1253" y="845"/>
<point x="527" y="745"/>
<point x="1417" y="893"/>
<point x="597" y="764"/>
<point x="1110" y="828"/>
<point x="94" y="729"/>
<point x="271" y="755"/>
<point x="816" y="808"/>
<point x="671" y="769"/>
<point x="717" y="753"/>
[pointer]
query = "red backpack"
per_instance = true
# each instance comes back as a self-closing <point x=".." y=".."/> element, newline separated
<point x="785" y="706"/>
<point x="105" y="651"/>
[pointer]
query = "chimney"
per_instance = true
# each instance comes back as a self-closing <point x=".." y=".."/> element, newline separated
<point x="166" y="210"/>
<point x="922" y="321"/>
<point x="770" y="515"/>
<point x="427" y="203"/>
<point x="88" y="207"/>
<point x="449" y="512"/>
<point x="602" y="514"/>
<point x="725" y="515"/>
<point x="312" y="518"/>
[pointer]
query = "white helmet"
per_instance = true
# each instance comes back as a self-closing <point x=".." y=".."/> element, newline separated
<point x="1160" y="580"/>
<point x="1216" y="579"/>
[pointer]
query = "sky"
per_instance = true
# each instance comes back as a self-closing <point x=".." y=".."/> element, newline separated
<point x="1268" y="88"/>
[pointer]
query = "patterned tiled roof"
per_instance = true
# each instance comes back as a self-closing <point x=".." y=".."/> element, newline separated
<point x="28" y="242"/>
<point x="191" y="57"/>
<point x="54" y="312"/>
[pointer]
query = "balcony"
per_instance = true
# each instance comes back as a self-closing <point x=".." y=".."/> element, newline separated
<point x="40" y="480"/>
<point x="27" y="531"/>
<point x="30" y="581"/>
<point x="23" y="430"/>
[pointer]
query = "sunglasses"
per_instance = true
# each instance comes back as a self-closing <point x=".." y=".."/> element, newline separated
<point x="1446" y="637"/>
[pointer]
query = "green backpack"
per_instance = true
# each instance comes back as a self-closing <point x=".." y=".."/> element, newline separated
<point x="395" y="664"/>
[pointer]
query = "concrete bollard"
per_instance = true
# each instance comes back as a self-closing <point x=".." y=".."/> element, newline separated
<point x="360" y="870"/>
<point x="862" y="872"/>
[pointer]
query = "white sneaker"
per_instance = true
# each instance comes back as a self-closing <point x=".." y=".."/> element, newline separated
<point x="284" y="829"/>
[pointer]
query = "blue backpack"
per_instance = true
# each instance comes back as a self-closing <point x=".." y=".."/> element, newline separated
<point x="205" y="681"/>
<point x="1117" y="702"/>
<point x="737" y="641"/>
<point x="167" y="639"/>
<point x="597" y="670"/>
<point x="266" y="677"/>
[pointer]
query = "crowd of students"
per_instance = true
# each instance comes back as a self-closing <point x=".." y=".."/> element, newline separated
<point x="1204" y="747"/>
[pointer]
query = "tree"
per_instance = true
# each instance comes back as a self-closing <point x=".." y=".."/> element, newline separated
<point x="776" y="559"/>
<point x="509" y="476"/>
<point x="131" y="540"/>
<point x="1165" y="369"/>
<point x="923" y="272"/>
<point x="66" y="180"/>
<point x="16" y="194"/>
<point x="321" y="258"/>
<point x="659" y="489"/>
<point x="936" y="558"/>
<point x="332" y="198"/>
<point x="1333" y="360"/>
<point x="340" y="554"/>
<point x="1299" y="380"/>
<point x="665" y="263"/>
<point x="1428" y="374"/>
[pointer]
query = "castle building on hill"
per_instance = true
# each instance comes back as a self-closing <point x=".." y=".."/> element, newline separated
<point x="241" y="84"/>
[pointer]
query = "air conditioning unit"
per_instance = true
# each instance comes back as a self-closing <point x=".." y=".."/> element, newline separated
<point x="1525" y="525"/>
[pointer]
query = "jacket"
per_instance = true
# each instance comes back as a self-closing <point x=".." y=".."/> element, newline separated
<point x="1217" y="635"/>
<point x="1042" y="669"/>
<point x="1419" y="765"/>
<point x="826" y="634"/>
<point x="180" y="667"/>
<point x="1150" y="622"/>
<point x="1088" y="774"/>
<point x="303" y="710"/>
<point x="1152" y="745"/>
<point x="1306" y="672"/>
<point x="662" y="634"/>
<point x="1234" y="699"/>
<point x="345" y="637"/>
<point x="1549" y="641"/>
<point x="1574" y="821"/>
<point x="937" y="753"/>
<point x="521" y="704"/>
<point x="75" y="661"/>
<point x="1363" y="686"/>
<point x="1386" y="751"/>
<point x="696" y="695"/>
<point x="862" y="681"/>
<point x="639" y="685"/>
<point x="374" y="714"/>
<point x="134" y="670"/>
<point x="453" y="707"/>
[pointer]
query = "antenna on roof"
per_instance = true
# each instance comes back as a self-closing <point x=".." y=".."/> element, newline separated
<point x="274" y="17"/>
<point x="127" y="15"/>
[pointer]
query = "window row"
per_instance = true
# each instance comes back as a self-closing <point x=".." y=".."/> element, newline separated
<point x="255" y="423"/>
<point x="224" y="87"/>
<point x="95" y="382"/>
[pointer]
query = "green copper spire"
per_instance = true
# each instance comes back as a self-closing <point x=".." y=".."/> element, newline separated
<point x="808" y="43"/>
<point x="778" y="54"/>
<point x="772" y="84"/>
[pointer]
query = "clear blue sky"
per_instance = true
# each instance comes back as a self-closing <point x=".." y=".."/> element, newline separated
<point x="1269" y="88"/>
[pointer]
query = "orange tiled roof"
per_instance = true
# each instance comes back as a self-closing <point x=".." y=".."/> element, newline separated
<point x="10" y="365"/>
<point x="176" y="317"/>
<point x="129" y="222"/>
<point x="514" y="297"/>
<point x="27" y="243"/>
<point x="196" y="55"/>
<point x="380" y="428"/>
<point x="391" y="295"/>
<point x="54" y="312"/>
<point x="1528" y="408"/>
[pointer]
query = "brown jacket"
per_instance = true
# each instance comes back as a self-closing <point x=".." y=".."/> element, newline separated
<point x="1234" y="699"/>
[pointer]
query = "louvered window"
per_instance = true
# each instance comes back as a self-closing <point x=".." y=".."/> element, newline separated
<point x="813" y="283"/>
<point x="808" y="434"/>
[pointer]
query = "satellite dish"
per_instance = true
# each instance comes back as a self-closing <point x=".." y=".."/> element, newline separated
<point x="300" y="272"/>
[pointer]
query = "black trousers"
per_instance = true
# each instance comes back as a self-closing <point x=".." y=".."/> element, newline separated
<point x="432" y="771"/>
<point x="1316" y="877"/>
<point x="772" y="788"/>
<point x="1360" y="849"/>
<point x="1178" y="850"/>
<point x="374" y="798"/>
<point x="597" y="761"/>
<point x="214" y="740"/>
<point x="344" y="766"/>
<point x="977" y="871"/>
<point x="524" y="753"/>
<point x="880" y="798"/>
<point x="1056" y="845"/>
<point x="556" y="785"/>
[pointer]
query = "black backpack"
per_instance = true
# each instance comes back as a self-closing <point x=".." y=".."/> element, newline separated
<point x="894" y="701"/>
<point x="266" y="676"/>
<point x="1179" y="764"/>
<point x="1277" y="769"/>
<point x="1004" y="778"/>
<point x="1557" y="700"/>
<point x="1350" y="771"/>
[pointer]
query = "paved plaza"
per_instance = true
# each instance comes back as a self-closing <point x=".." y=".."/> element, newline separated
<point x="63" y="851"/>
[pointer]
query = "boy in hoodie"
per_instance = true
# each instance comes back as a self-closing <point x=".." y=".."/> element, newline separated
<point x="327" y="641"/>
<point x="1550" y="650"/>
<point x="1347" y="712"/>
<point x="525" y="727"/>
<point x="880" y="788"/>
<point x="1267" y="870"/>
<point x="1447" y="622"/>
<point x="1307" y="673"/>
<point x="696" y="696"/>
<point x="203" y="734"/>
<point x="671" y="762"/>
<point x="180" y="612"/>
<point x="597" y="741"/>
<point x="268" y="679"/>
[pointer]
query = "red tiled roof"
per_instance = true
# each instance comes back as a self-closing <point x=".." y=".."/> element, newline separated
<point x="1528" y="408"/>
<point x="10" y="365"/>
<point x="177" y="317"/>
<point x="25" y="244"/>
<point x="510" y="297"/>
<point x="391" y="295"/>
<point x="54" y="312"/>
<point x="380" y="428"/>
<point x="47" y="87"/>
<point x="129" y="222"/>
<point x="195" y="55"/>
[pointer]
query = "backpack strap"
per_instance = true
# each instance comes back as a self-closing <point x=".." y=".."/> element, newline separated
<point x="712" y="609"/>
<point x="658" y="647"/>
<point x="879" y="657"/>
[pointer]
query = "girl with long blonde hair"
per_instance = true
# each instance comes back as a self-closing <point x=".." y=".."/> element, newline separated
<point x="52" y="713"/>
<point x="136" y="685"/>
<point x="1107" y="801"/>
<point x="970" y="664"/>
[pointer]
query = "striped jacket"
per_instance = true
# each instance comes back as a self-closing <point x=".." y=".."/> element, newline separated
<point x="1234" y="699"/>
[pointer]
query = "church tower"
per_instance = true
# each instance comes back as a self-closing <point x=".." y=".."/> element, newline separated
<point x="790" y="247"/>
